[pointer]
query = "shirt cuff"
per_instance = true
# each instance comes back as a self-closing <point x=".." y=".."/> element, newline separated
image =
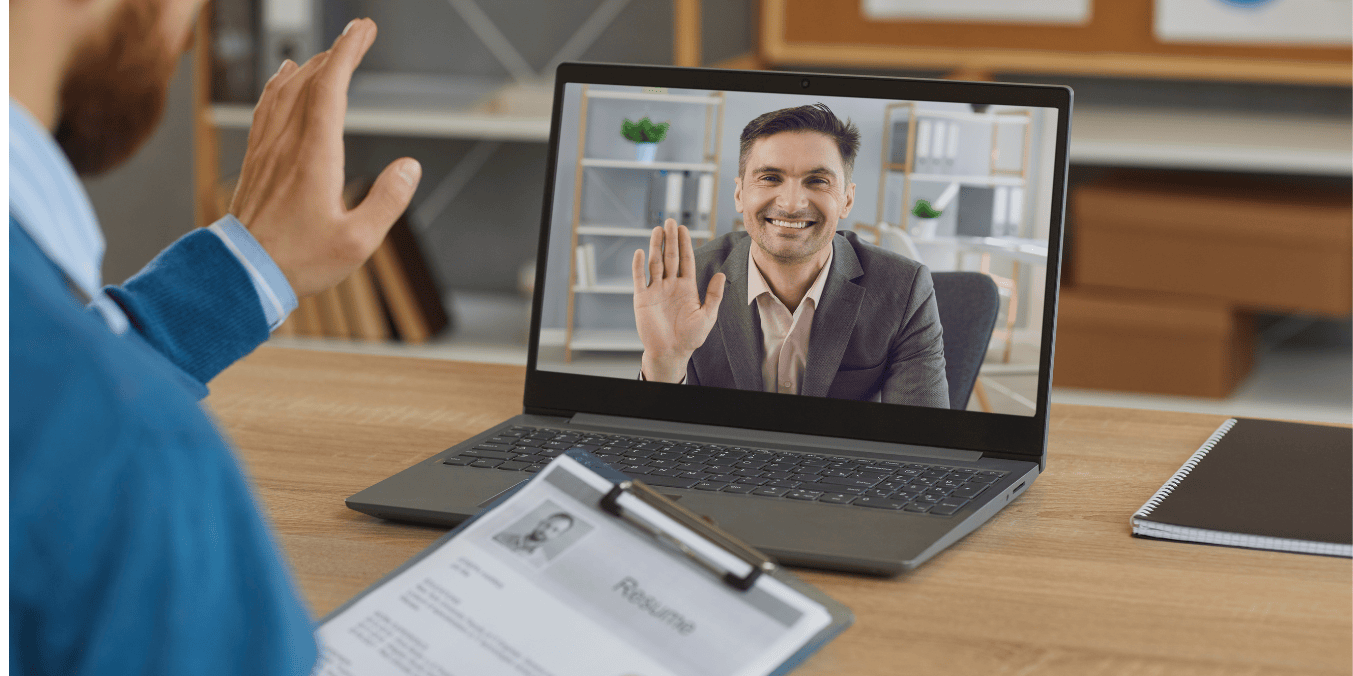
<point x="274" y="291"/>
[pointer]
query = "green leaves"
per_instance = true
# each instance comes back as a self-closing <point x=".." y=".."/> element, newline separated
<point x="924" y="210"/>
<point x="644" y="131"/>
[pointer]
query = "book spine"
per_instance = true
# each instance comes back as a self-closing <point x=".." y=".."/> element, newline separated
<point x="922" y="146"/>
<point x="1184" y="471"/>
<point x="704" y="202"/>
<point x="937" y="151"/>
<point x="672" y="209"/>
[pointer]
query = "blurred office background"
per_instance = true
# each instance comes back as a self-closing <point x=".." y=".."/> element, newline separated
<point x="1208" y="242"/>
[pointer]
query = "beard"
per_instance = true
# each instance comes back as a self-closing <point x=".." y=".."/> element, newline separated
<point x="115" y="90"/>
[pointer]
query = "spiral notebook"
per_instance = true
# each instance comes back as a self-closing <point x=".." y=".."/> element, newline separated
<point x="1260" y="484"/>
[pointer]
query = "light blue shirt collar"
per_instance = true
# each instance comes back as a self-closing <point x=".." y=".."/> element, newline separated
<point x="50" y="204"/>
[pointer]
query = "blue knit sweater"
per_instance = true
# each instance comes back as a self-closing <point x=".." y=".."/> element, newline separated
<point x="135" y="544"/>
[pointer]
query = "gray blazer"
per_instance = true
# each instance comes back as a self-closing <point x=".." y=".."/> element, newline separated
<point x="876" y="334"/>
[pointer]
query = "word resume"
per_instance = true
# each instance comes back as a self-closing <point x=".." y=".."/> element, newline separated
<point x="549" y="584"/>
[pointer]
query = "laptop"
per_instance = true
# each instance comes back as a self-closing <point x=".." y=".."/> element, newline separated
<point x="906" y="295"/>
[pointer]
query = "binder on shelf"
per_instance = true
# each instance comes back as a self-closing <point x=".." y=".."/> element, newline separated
<point x="331" y="315"/>
<point x="897" y="141"/>
<point x="234" y="52"/>
<point x="704" y="202"/>
<point x="1223" y="494"/>
<point x="579" y="569"/>
<point x="1000" y="208"/>
<point x="585" y="259"/>
<point x="922" y="146"/>
<point x="939" y="149"/>
<point x="654" y="201"/>
<point x="358" y="294"/>
<point x="362" y="304"/>
<point x="288" y="29"/>
<point x="307" y="318"/>
<point x="951" y="151"/>
<point x="976" y="210"/>
<point x="401" y="278"/>
<point x="1016" y="216"/>
<point x="672" y="207"/>
<point x="406" y="285"/>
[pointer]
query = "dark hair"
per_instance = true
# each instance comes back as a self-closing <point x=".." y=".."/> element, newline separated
<point x="559" y="515"/>
<point x="817" y="117"/>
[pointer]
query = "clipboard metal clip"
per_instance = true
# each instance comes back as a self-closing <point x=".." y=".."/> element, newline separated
<point x="757" y="562"/>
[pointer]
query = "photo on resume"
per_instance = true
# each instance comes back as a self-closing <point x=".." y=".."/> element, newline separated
<point x="542" y="534"/>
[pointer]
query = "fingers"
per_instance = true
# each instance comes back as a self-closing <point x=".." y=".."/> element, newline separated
<point x="268" y="100"/>
<point x="330" y="86"/>
<point x="686" y="253"/>
<point x="388" y="198"/>
<point x="637" y="271"/>
<point x="258" y="128"/>
<point x="289" y="92"/>
<point x="655" y="255"/>
<point x="714" y="294"/>
<point x="670" y="249"/>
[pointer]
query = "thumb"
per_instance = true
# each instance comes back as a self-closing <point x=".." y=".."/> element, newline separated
<point x="390" y="194"/>
<point x="714" y="294"/>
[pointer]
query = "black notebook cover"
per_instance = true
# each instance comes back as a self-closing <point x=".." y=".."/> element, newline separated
<point x="1265" y="479"/>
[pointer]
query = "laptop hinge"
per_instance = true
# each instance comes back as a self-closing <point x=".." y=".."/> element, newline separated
<point x="807" y="442"/>
<point x="558" y="413"/>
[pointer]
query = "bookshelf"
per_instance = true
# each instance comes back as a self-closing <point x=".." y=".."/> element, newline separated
<point x="446" y="106"/>
<point x="917" y="144"/>
<point x="587" y="234"/>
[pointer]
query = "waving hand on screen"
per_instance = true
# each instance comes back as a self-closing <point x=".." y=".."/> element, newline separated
<point x="671" y="319"/>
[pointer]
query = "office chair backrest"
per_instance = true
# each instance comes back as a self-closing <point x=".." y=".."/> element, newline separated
<point x="968" y="303"/>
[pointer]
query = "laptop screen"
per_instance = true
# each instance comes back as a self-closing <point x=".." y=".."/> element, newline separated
<point x="885" y="250"/>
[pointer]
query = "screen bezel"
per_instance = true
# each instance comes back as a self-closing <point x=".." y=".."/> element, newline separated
<point x="996" y="434"/>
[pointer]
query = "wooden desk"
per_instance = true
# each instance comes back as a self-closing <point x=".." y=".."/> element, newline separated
<point x="1053" y="585"/>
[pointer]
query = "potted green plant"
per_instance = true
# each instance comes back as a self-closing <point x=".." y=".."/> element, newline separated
<point x="646" y="136"/>
<point x="928" y="221"/>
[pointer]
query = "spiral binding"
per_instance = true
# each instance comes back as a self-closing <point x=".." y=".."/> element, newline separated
<point x="1192" y="462"/>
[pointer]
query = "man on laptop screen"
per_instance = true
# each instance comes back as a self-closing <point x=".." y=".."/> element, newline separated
<point x="837" y="317"/>
<point x="857" y="245"/>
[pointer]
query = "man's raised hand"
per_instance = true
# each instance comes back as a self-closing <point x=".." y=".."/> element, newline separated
<point x="672" y="321"/>
<point x="290" y="193"/>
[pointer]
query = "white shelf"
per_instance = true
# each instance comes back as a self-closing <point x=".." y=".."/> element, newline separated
<point x="611" y="286"/>
<point x="668" y="98"/>
<point x="1216" y="140"/>
<point x="405" y="122"/>
<point x="626" y="231"/>
<point x="1007" y="118"/>
<point x="966" y="180"/>
<point x="651" y="166"/>
<point x="409" y="104"/>
<point x="606" y="340"/>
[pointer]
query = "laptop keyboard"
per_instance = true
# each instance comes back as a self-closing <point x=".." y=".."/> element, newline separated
<point x="834" y="479"/>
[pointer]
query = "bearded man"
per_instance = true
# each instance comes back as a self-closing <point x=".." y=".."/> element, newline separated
<point x="135" y="545"/>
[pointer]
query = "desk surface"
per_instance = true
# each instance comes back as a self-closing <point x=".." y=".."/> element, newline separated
<point x="1053" y="585"/>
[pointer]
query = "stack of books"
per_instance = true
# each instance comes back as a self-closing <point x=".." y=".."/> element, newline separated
<point x="393" y="296"/>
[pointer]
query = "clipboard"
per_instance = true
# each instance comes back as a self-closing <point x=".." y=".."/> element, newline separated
<point x="678" y="532"/>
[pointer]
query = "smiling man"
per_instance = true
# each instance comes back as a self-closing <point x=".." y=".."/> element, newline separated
<point x="791" y="305"/>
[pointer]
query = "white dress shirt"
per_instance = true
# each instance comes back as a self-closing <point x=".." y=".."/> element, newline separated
<point x="48" y="201"/>
<point x="784" y="335"/>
